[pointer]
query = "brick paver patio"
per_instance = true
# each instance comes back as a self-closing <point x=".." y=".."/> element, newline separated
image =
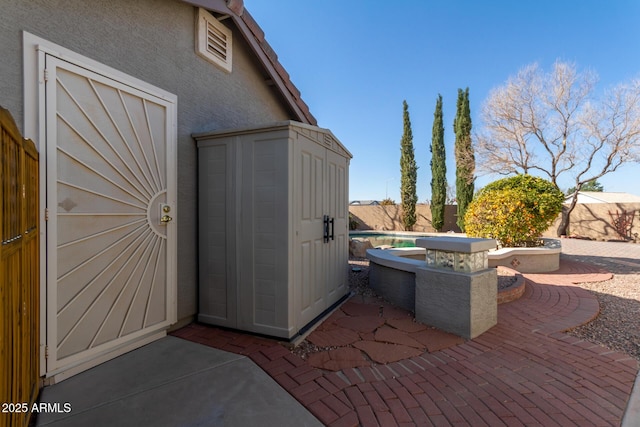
<point x="524" y="371"/>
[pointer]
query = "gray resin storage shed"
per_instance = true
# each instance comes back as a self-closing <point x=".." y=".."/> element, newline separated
<point x="273" y="216"/>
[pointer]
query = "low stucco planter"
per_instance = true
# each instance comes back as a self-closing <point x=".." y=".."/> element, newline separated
<point x="524" y="260"/>
<point x="449" y="285"/>
<point x="529" y="260"/>
<point x="392" y="274"/>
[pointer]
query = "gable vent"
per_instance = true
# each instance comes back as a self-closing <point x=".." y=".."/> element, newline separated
<point x="216" y="42"/>
<point x="328" y="140"/>
<point x="213" y="41"/>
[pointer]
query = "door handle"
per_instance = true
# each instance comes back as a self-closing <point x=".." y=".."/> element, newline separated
<point x="332" y="227"/>
<point x="164" y="217"/>
<point x="325" y="220"/>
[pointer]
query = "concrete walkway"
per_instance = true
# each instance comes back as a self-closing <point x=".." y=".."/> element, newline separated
<point x="173" y="382"/>
<point x="524" y="371"/>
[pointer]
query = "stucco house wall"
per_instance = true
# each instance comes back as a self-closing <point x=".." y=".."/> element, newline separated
<point x="152" y="40"/>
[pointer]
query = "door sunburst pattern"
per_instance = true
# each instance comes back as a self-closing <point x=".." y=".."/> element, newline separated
<point x="110" y="190"/>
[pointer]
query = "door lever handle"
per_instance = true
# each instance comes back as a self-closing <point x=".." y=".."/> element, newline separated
<point x="165" y="219"/>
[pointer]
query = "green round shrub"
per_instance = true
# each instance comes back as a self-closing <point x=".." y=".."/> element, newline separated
<point x="515" y="211"/>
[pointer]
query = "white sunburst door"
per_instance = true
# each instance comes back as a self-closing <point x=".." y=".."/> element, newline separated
<point x="111" y="202"/>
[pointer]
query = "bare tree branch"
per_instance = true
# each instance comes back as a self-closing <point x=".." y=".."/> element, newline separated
<point x="553" y="124"/>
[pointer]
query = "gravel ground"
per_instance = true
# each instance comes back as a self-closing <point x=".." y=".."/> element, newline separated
<point x="618" y="325"/>
<point x="359" y="276"/>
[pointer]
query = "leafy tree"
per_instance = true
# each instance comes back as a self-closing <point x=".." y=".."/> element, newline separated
<point x="465" y="160"/>
<point x="593" y="185"/>
<point x="515" y="211"/>
<point x="554" y="124"/>
<point x="438" y="169"/>
<point x="408" y="172"/>
<point x="388" y="202"/>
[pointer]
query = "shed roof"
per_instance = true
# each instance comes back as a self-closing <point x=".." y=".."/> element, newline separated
<point x="364" y="203"/>
<point x="254" y="36"/>
<point x="604" y="197"/>
<point x="320" y="135"/>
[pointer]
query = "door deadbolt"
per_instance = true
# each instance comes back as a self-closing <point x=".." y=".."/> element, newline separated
<point x="164" y="210"/>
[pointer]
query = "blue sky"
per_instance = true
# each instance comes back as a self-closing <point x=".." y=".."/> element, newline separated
<point x="355" y="61"/>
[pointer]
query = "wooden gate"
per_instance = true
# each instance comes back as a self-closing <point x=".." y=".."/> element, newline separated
<point x="19" y="273"/>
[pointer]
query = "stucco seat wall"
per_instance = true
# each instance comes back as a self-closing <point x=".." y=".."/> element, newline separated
<point x="529" y="260"/>
<point x="397" y="286"/>
<point x="392" y="274"/>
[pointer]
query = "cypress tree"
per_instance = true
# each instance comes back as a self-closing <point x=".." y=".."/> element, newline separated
<point x="438" y="169"/>
<point x="465" y="160"/>
<point x="408" y="172"/>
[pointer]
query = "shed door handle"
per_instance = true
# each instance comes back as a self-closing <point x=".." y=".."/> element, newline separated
<point x="325" y="220"/>
<point x="332" y="227"/>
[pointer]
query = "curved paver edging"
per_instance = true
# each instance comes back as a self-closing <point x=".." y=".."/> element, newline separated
<point x="572" y="305"/>
<point x="513" y="291"/>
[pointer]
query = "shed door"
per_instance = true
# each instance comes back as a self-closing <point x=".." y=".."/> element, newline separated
<point x="337" y="209"/>
<point x="110" y="180"/>
<point x="310" y="195"/>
